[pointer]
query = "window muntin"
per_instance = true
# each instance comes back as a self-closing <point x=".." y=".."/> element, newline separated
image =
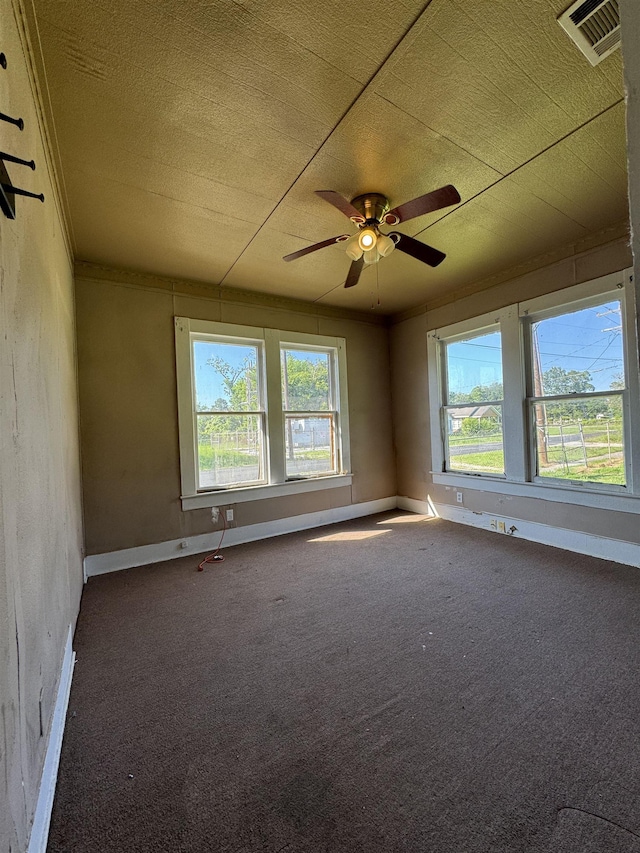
<point x="577" y="388"/>
<point x="230" y="415"/>
<point x="472" y="414"/>
<point x="309" y="401"/>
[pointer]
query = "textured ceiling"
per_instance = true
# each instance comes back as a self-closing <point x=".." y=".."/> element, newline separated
<point x="193" y="133"/>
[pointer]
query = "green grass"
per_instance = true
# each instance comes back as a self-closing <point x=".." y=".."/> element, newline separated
<point x="312" y="454"/>
<point x="596" y="431"/>
<point x="491" y="461"/>
<point x="574" y="455"/>
<point x="224" y="457"/>
<point x="613" y="474"/>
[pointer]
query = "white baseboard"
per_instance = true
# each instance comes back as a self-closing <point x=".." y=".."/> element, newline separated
<point x="570" y="540"/>
<point x="99" y="564"/>
<point x="413" y="505"/>
<point x="42" y="816"/>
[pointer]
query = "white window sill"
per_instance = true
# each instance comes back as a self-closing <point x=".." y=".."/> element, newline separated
<point x="579" y="495"/>
<point x="225" y="497"/>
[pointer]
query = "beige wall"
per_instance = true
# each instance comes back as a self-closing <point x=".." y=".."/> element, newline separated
<point x="129" y="425"/>
<point x="40" y="512"/>
<point x="411" y="403"/>
<point x="630" y="16"/>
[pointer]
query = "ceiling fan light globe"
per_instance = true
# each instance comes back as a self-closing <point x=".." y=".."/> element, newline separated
<point x="367" y="239"/>
<point x="353" y="249"/>
<point x="371" y="256"/>
<point x="385" y="245"/>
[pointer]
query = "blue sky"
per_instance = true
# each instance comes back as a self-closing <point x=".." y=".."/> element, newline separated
<point x="589" y="339"/>
<point x="474" y="362"/>
<point x="209" y="386"/>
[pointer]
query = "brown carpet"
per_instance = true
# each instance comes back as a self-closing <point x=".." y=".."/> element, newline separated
<point x="388" y="684"/>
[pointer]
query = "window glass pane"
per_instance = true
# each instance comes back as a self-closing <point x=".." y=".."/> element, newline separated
<point x="578" y="352"/>
<point x="474" y="437"/>
<point x="226" y="377"/>
<point x="474" y="369"/>
<point x="306" y="381"/>
<point x="581" y="439"/>
<point x="309" y="445"/>
<point x="230" y="450"/>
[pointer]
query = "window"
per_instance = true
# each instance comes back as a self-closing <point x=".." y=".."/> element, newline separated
<point x="261" y="412"/>
<point x="473" y="403"/>
<point x="229" y="412"/>
<point x="577" y="389"/>
<point x="539" y="395"/>
<point x="310" y="411"/>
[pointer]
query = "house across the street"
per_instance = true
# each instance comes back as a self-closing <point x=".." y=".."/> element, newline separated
<point x="457" y="416"/>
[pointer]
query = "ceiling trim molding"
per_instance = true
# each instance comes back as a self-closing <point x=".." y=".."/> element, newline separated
<point x="88" y="271"/>
<point x="618" y="233"/>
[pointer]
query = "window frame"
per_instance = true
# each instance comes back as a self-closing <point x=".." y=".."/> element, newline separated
<point x="445" y="395"/>
<point x="260" y="412"/>
<point x="519" y="450"/>
<point x="333" y="412"/>
<point x="270" y="341"/>
<point x="537" y="310"/>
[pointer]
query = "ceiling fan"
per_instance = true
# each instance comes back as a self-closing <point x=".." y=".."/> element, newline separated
<point x="369" y="244"/>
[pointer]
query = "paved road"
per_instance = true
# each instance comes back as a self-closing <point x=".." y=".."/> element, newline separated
<point x="463" y="449"/>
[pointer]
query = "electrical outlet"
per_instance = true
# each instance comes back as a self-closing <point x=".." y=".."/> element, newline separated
<point x="502" y="527"/>
<point x="459" y="497"/>
<point x="493" y="524"/>
<point x="215" y="513"/>
<point x="229" y="516"/>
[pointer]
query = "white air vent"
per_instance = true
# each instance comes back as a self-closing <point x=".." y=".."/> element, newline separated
<point x="594" y="25"/>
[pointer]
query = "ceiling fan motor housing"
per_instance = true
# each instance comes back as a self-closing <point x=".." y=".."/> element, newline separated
<point x="372" y="206"/>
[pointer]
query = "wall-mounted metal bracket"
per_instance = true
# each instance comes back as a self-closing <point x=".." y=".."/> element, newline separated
<point x="7" y="198"/>
<point x="8" y="192"/>
<point x="17" y="121"/>
<point x="11" y="159"/>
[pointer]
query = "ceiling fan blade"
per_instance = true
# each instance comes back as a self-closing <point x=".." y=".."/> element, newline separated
<point x="354" y="273"/>
<point x="418" y="250"/>
<point x="342" y="204"/>
<point x="427" y="203"/>
<point x="314" y="248"/>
